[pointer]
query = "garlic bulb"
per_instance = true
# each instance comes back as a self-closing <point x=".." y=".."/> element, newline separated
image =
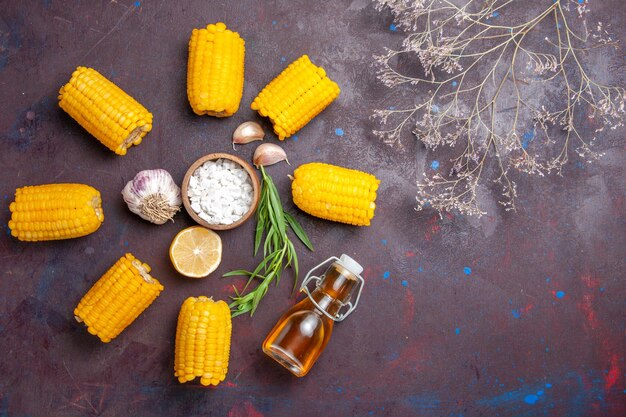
<point x="248" y="132"/>
<point x="268" y="154"/>
<point x="153" y="195"/>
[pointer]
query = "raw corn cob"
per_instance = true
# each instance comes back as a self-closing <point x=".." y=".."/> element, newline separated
<point x="104" y="110"/>
<point x="296" y="96"/>
<point x="55" y="211"/>
<point x="335" y="193"/>
<point x="117" y="298"/>
<point x="215" y="70"/>
<point x="202" y="341"/>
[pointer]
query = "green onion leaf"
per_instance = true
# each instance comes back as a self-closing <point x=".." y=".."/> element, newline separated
<point x="298" y="230"/>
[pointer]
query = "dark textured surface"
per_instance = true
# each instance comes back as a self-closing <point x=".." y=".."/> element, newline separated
<point x="511" y="315"/>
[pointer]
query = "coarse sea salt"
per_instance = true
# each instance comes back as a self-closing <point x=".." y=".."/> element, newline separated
<point x="220" y="191"/>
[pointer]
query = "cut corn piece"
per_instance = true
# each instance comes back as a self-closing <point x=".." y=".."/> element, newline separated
<point x="335" y="193"/>
<point x="296" y="96"/>
<point x="118" y="298"/>
<point x="215" y="70"/>
<point x="116" y="119"/>
<point x="202" y="341"/>
<point x="55" y="211"/>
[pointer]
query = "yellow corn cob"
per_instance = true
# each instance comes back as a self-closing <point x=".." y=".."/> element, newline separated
<point x="296" y="96"/>
<point x="104" y="110"/>
<point x="55" y="211"/>
<point x="117" y="298"/>
<point x="335" y="193"/>
<point x="215" y="70"/>
<point x="202" y="341"/>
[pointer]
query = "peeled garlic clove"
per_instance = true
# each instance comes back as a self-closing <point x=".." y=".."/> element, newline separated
<point x="268" y="154"/>
<point x="153" y="195"/>
<point x="248" y="132"/>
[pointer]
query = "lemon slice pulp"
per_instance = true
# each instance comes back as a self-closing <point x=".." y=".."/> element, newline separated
<point x="196" y="251"/>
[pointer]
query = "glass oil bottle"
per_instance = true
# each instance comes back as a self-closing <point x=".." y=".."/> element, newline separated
<point x="301" y="334"/>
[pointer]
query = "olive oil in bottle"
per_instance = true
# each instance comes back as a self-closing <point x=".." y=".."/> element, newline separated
<point x="301" y="334"/>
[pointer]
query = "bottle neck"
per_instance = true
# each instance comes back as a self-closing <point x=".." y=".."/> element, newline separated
<point x="326" y="302"/>
<point x="335" y="289"/>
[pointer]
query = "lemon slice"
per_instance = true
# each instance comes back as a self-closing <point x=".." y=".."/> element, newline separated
<point x="196" y="252"/>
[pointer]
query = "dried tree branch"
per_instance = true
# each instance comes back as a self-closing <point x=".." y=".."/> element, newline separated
<point x="479" y="76"/>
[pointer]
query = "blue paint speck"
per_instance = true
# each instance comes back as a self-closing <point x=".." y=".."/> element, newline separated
<point x="548" y="279"/>
<point x="126" y="243"/>
<point x="581" y="1"/>
<point x="548" y="385"/>
<point x="386" y="275"/>
<point x="540" y="393"/>
<point x="434" y="164"/>
<point x="560" y="294"/>
<point x="137" y="3"/>
<point x="531" y="399"/>
<point x="420" y="269"/>
<point x="516" y="314"/>
<point x="495" y="14"/>
<point x="393" y="28"/>
<point x="457" y="330"/>
<point x="383" y="241"/>
<point x="274" y="22"/>
<point x="527" y="138"/>
<point x="339" y="131"/>
<point x="283" y="59"/>
<point x="467" y="270"/>
<point x="602" y="289"/>
<point x="295" y="138"/>
<point x="454" y="83"/>
<point x="434" y="108"/>
<point x="405" y="283"/>
<point x="339" y="390"/>
<point x="547" y="350"/>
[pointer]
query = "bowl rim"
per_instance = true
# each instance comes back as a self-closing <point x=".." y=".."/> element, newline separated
<point x="256" y="190"/>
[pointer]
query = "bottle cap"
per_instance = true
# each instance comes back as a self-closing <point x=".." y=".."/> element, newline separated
<point x="350" y="264"/>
